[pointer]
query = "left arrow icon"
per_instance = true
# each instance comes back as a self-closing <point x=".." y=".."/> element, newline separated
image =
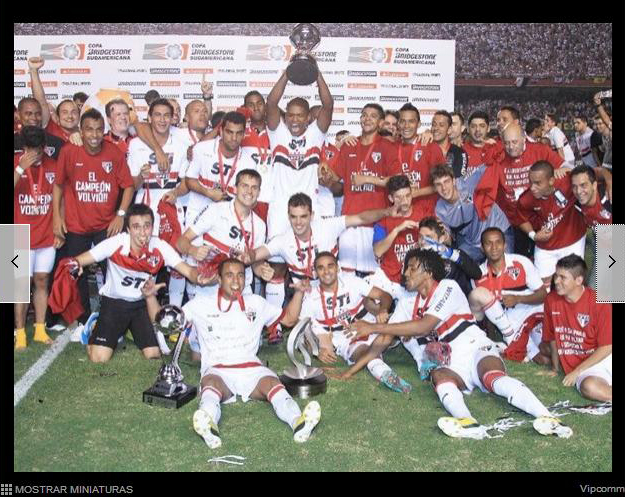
<point x="13" y="260"/>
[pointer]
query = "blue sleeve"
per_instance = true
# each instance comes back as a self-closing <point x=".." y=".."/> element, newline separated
<point x="379" y="233"/>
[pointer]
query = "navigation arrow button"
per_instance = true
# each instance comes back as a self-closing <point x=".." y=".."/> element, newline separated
<point x="13" y="260"/>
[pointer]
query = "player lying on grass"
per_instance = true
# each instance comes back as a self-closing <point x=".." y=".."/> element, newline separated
<point x="460" y="354"/>
<point x="229" y="326"/>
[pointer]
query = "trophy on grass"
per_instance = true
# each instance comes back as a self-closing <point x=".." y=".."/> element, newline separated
<point x="302" y="69"/>
<point x="169" y="390"/>
<point x="303" y="380"/>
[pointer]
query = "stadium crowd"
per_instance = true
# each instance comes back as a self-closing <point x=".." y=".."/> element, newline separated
<point x="466" y="242"/>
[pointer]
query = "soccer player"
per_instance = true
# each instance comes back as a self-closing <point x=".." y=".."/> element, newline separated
<point x="467" y="360"/>
<point x="456" y="132"/>
<point x="587" y="141"/>
<point x="510" y="293"/>
<point x="455" y="157"/>
<point x="29" y="111"/>
<point x="88" y="183"/>
<point x="559" y="142"/>
<point x="133" y="256"/>
<point x="534" y="130"/>
<point x="455" y="208"/>
<point x="579" y="332"/>
<point x="389" y="128"/>
<point x="79" y="99"/>
<point x="229" y="227"/>
<point x="118" y="117"/>
<point x="229" y="326"/>
<point x="336" y="300"/>
<point x="33" y="177"/>
<point x="478" y="150"/>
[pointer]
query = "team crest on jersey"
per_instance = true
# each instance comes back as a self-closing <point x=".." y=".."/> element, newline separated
<point x="250" y="315"/>
<point x="329" y="154"/>
<point x="49" y="151"/>
<point x="376" y="156"/>
<point x="153" y="260"/>
<point x="107" y="166"/>
<point x="583" y="319"/>
<point x="604" y="214"/>
<point x="514" y="272"/>
<point x="418" y="154"/>
<point x="50" y="177"/>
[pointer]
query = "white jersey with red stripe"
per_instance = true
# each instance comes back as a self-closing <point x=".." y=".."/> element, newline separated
<point x="295" y="164"/>
<point x="205" y="168"/>
<point x="189" y="138"/>
<point x="340" y="309"/>
<point x="584" y="145"/>
<point x="219" y="225"/>
<point x="300" y="255"/>
<point x="152" y="190"/>
<point x="121" y="281"/>
<point x="520" y="277"/>
<point x="558" y="140"/>
<point x="256" y="145"/>
<point x="228" y="334"/>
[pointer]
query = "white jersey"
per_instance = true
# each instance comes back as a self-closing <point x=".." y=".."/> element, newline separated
<point x="295" y="168"/>
<point x="122" y="281"/>
<point x="189" y="138"/>
<point x="205" y="168"/>
<point x="230" y="335"/>
<point x="139" y="153"/>
<point x="584" y="145"/>
<point x="264" y="163"/>
<point x="347" y="306"/>
<point x="220" y="228"/>
<point x="559" y="140"/>
<point x="299" y="255"/>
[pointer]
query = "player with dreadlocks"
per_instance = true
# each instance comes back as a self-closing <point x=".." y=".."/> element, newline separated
<point x="453" y="348"/>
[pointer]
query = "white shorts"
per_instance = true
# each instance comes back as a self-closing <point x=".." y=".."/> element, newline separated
<point x="356" y="249"/>
<point x="240" y="381"/>
<point x="382" y="281"/>
<point x="467" y="350"/>
<point x="42" y="260"/>
<point x="545" y="260"/>
<point x="602" y="370"/>
<point x="345" y="349"/>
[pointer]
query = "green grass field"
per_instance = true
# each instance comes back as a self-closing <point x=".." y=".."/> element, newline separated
<point x="85" y="417"/>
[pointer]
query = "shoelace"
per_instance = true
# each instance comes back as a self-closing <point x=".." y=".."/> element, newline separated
<point x="596" y="409"/>
<point x="228" y="459"/>
<point x="502" y="425"/>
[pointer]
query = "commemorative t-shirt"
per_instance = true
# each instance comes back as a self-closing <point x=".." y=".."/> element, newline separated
<point x="91" y="186"/>
<point x="52" y="147"/>
<point x="600" y="213"/>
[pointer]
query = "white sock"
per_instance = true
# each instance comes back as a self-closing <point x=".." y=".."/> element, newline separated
<point x="452" y="400"/>
<point x="496" y="314"/>
<point x="283" y="404"/>
<point x="519" y="396"/>
<point x="377" y="367"/>
<point x="210" y="402"/>
<point x="176" y="290"/>
<point x="274" y="293"/>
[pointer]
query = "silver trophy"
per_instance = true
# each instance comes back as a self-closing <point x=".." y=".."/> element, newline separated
<point x="169" y="390"/>
<point x="302" y="380"/>
<point x="302" y="69"/>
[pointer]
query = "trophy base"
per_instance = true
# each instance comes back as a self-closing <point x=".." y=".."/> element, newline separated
<point x="302" y="71"/>
<point x="155" y="398"/>
<point x="308" y="387"/>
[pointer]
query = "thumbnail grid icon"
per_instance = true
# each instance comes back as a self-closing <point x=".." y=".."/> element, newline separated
<point x="6" y="489"/>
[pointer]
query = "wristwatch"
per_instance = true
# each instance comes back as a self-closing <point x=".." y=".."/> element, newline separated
<point x="207" y="98"/>
<point x="121" y="212"/>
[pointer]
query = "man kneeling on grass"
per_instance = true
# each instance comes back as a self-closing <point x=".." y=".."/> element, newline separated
<point x="229" y="325"/>
<point x="461" y="356"/>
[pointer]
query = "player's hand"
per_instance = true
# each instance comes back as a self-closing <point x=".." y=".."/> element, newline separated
<point x="570" y="379"/>
<point x="35" y="63"/>
<point x="350" y="140"/>
<point x="76" y="138"/>
<point x="359" y="179"/>
<point x="59" y="228"/>
<point x="407" y="224"/>
<point x="490" y="141"/>
<point x="151" y="288"/>
<point x="382" y="317"/>
<point x="426" y="137"/>
<point x="597" y="98"/>
<point x="58" y="242"/>
<point x="207" y="280"/>
<point x="163" y="161"/>
<point x="358" y="329"/>
<point x="200" y="253"/>
<point x="327" y="356"/>
<point x="543" y="235"/>
<point x="29" y="158"/>
<point x="266" y="272"/>
<point x="246" y="257"/>
<point x="216" y="194"/>
<point x="550" y="373"/>
<point x="509" y="301"/>
<point x="206" y="86"/>
<point x="115" y="226"/>
<point x="170" y="197"/>
<point x="145" y="171"/>
<point x="324" y="175"/>
<point x="302" y="285"/>
<point x="561" y="172"/>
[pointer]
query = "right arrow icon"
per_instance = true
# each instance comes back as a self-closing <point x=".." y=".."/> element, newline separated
<point x="613" y="261"/>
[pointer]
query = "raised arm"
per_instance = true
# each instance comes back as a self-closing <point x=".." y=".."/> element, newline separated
<point x="327" y="104"/>
<point x="273" y="99"/>
<point x="34" y="64"/>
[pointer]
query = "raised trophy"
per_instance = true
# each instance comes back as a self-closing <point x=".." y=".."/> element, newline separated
<point x="303" y="380"/>
<point x="169" y="390"/>
<point x="302" y="69"/>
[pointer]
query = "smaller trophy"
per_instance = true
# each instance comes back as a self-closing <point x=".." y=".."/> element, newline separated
<point x="303" y="380"/>
<point x="169" y="390"/>
<point x="302" y="69"/>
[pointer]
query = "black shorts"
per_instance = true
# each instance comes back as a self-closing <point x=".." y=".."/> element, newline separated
<point x="117" y="316"/>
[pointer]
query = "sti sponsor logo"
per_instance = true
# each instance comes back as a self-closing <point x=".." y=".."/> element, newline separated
<point x="164" y="83"/>
<point x="198" y="71"/>
<point x="164" y="70"/>
<point x="393" y="74"/>
<point x="46" y="84"/>
<point x="75" y="70"/>
<point x="261" y="84"/>
<point x="336" y="98"/>
<point x="61" y="51"/>
<point x="268" y="52"/>
<point x="20" y="55"/>
<point x="365" y="74"/>
<point x="376" y="55"/>
<point x="394" y="99"/>
<point x="362" y="86"/>
<point x="426" y="87"/>
<point x="165" y="51"/>
<point x="232" y="83"/>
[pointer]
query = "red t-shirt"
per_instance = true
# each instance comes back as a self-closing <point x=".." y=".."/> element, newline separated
<point x="578" y="329"/>
<point x="377" y="159"/>
<point x="600" y="213"/>
<point x="478" y="155"/>
<point x="329" y="154"/>
<point x="33" y="200"/>
<point x="56" y="130"/>
<point x="91" y="186"/>
<point x="119" y="142"/>
<point x="556" y="212"/>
